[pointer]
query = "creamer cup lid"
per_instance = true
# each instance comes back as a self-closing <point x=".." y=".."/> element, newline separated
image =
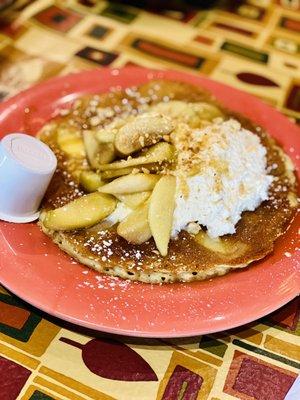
<point x="29" y="152"/>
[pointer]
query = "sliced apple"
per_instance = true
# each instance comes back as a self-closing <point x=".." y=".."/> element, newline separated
<point x="115" y="173"/>
<point x="83" y="212"/>
<point x="106" y="153"/>
<point x="135" y="227"/>
<point x="214" y="244"/>
<point x="70" y="142"/>
<point x="105" y="136"/>
<point x="158" y="153"/>
<point x="134" y="200"/>
<point x="220" y="245"/>
<point x="90" y="181"/>
<point x="91" y="147"/>
<point x="194" y="114"/>
<point x="97" y="153"/>
<point x="143" y="131"/>
<point x="206" y="111"/>
<point x="132" y="183"/>
<point x="161" y="210"/>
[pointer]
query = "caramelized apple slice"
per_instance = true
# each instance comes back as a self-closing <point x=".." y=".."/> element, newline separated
<point x="91" y="147"/>
<point x="105" y="136"/>
<point x="193" y="114"/>
<point x="148" y="168"/>
<point x="135" y="228"/>
<point x="158" y="153"/>
<point x="206" y="111"/>
<point x="220" y="245"/>
<point x="145" y="130"/>
<point x="161" y="209"/>
<point x="70" y="141"/>
<point x="134" y="200"/>
<point x="90" y="181"/>
<point x="132" y="183"/>
<point x="115" y="173"/>
<point x="106" y="153"/>
<point x="97" y="153"/>
<point x="83" y="212"/>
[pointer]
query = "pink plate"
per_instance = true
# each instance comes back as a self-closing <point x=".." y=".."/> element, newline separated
<point x="32" y="267"/>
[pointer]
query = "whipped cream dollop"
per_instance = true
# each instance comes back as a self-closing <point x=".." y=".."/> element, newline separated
<point x="231" y="177"/>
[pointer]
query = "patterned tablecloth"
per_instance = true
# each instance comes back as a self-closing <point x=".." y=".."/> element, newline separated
<point x="252" y="45"/>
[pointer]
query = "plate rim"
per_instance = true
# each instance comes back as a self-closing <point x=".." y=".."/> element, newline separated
<point x="145" y="334"/>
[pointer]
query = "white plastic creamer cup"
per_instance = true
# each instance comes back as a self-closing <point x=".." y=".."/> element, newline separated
<point x="26" y="168"/>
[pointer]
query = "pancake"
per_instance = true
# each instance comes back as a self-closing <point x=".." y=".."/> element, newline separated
<point x="190" y="257"/>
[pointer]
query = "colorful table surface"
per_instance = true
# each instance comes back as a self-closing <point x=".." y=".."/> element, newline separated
<point x="252" y="45"/>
